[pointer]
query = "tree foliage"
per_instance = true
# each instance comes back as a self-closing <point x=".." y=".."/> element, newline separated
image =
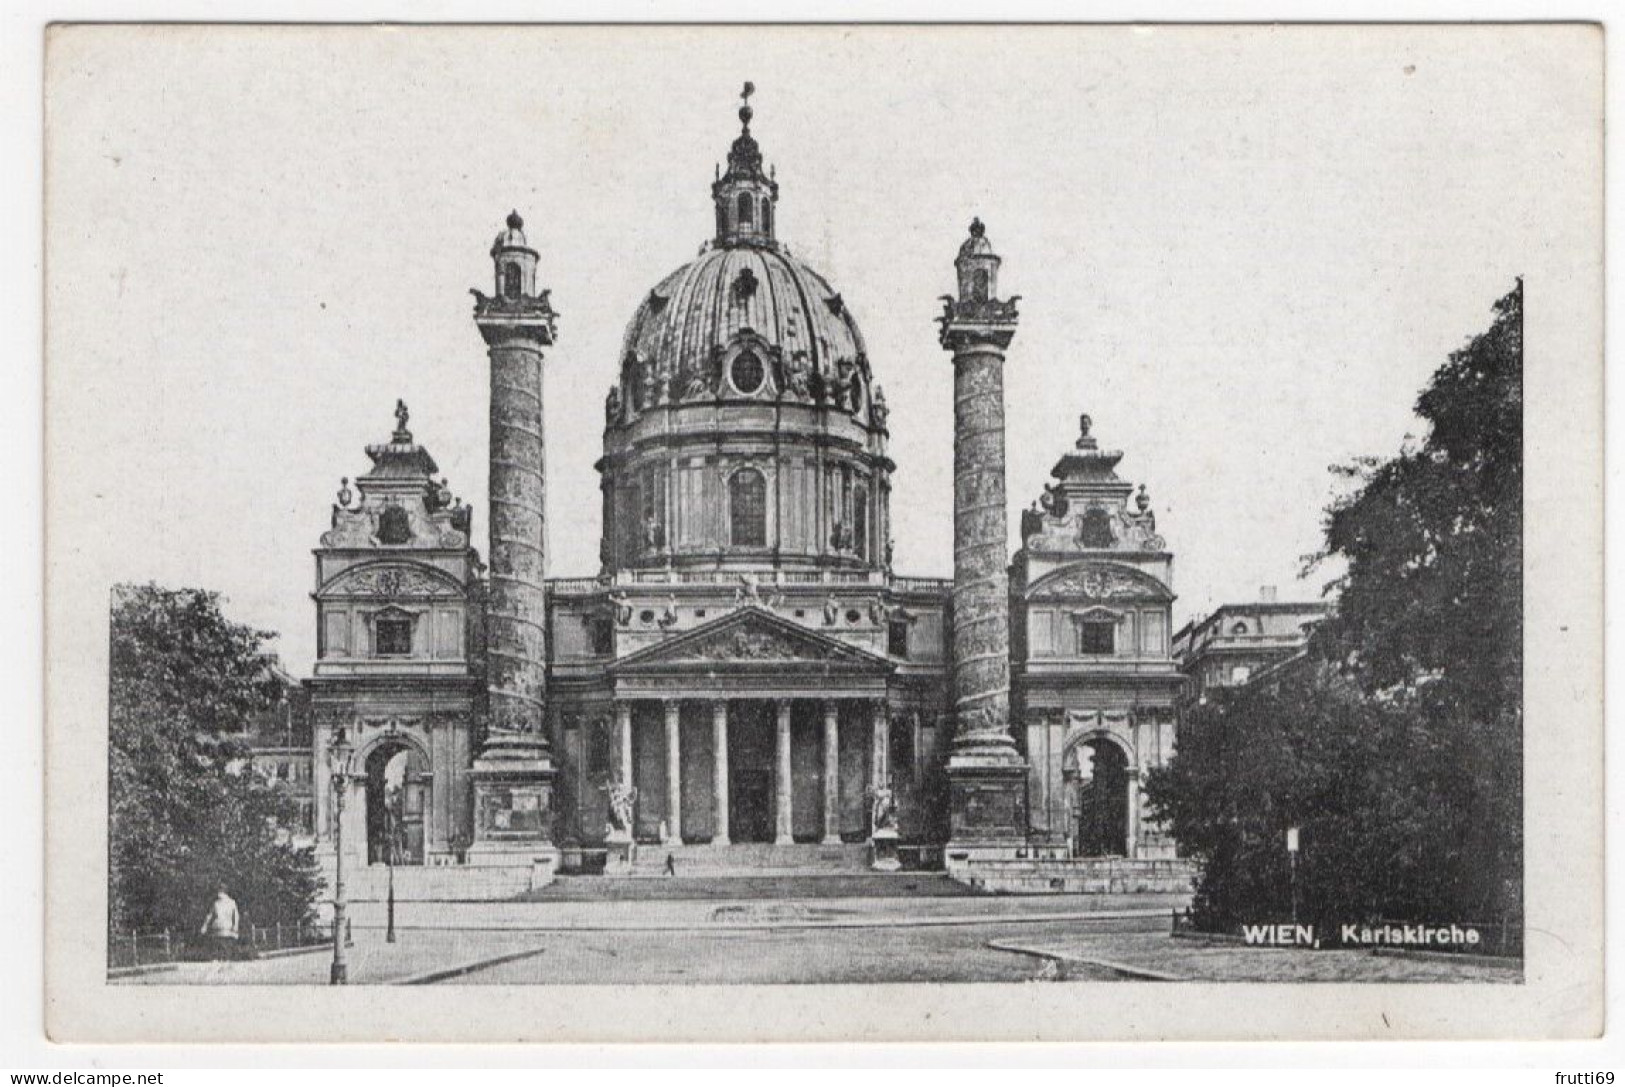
<point x="1396" y="744"/>
<point x="185" y="813"/>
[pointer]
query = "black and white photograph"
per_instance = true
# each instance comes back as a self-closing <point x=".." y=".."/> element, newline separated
<point x="777" y="532"/>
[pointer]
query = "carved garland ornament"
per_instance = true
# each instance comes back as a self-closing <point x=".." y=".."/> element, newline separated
<point x="1099" y="583"/>
<point x="393" y="581"/>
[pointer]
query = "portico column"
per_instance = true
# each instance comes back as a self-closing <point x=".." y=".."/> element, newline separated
<point x="880" y="752"/>
<point x="781" y="784"/>
<point x="623" y="742"/>
<point x="719" y="747"/>
<point x="674" y="773"/>
<point x="832" y="772"/>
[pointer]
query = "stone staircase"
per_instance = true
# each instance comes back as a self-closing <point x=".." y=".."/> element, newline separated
<point x="752" y="859"/>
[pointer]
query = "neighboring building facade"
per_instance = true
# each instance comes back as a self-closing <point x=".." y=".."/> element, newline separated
<point x="1236" y="643"/>
<point x="746" y="669"/>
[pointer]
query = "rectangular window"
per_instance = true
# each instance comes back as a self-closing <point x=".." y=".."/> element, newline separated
<point x="897" y="638"/>
<point x="392" y="636"/>
<point x="1097" y="637"/>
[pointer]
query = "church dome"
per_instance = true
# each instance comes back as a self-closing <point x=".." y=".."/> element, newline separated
<point x="743" y="429"/>
<point x="744" y="321"/>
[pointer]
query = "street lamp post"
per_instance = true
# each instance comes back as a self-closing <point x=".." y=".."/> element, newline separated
<point x="1292" y="867"/>
<point x="338" y="753"/>
<point x="390" y="846"/>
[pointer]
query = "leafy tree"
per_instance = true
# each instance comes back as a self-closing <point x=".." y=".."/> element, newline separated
<point x="1396" y="743"/>
<point x="185" y="813"/>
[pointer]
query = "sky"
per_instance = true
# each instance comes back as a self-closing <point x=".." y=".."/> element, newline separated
<point x="1242" y="251"/>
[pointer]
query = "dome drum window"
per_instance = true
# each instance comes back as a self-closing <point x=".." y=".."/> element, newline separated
<point x="747" y="373"/>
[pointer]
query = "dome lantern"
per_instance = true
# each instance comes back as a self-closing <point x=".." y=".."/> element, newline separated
<point x="745" y="196"/>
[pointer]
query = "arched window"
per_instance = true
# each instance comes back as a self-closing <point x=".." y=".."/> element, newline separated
<point x="722" y="219"/>
<point x="747" y="508"/>
<point x="978" y="290"/>
<point x="510" y="281"/>
<point x="767" y="216"/>
<point x="744" y="214"/>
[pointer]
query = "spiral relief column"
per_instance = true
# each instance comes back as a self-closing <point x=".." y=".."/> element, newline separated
<point x="513" y="775"/>
<point x="985" y="770"/>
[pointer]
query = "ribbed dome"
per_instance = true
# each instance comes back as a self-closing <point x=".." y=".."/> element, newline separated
<point x="759" y="295"/>
<point x="744" y="428"/>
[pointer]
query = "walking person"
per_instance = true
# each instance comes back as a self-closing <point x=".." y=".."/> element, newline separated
<point x="220" y="926"/>
<point x="671" y="865"/>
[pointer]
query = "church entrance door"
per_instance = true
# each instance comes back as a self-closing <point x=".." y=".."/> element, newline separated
<point x="750" y="771"/>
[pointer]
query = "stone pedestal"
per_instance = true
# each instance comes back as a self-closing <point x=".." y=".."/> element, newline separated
<point x="883" y="851"/>
<point x="513" y="807"/>
<point x="987" y="808"/>
<point x="619" y="853"/>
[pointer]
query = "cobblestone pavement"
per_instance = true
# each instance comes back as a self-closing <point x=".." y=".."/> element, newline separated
<point x="767" y="956"/>
<point x="684" y="913"/>
<point x="1193" y="960"/>
<point x="994" y="949"/>
<point x="856" y="956"/>
<point x="372" y="961"/>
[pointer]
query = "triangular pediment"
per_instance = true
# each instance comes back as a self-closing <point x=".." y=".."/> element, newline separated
<point x="754" y="638"/>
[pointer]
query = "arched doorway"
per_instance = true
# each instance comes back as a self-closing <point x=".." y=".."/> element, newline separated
<point x="397" y="784"/>
<point x="1097" y="771"/>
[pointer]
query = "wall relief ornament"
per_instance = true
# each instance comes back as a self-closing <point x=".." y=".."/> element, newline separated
<point x="362" y="526"/>
<point x="1095" y="528"/>
<point x="1099" y="582"/>
<point x="391" y="581"/>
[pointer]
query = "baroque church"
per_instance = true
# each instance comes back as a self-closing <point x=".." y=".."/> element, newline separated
<point x="745" y="682"/>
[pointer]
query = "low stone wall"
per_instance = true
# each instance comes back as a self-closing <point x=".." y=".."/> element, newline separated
<point x="451" y="883"/>
<point x="1110" y="875"/>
